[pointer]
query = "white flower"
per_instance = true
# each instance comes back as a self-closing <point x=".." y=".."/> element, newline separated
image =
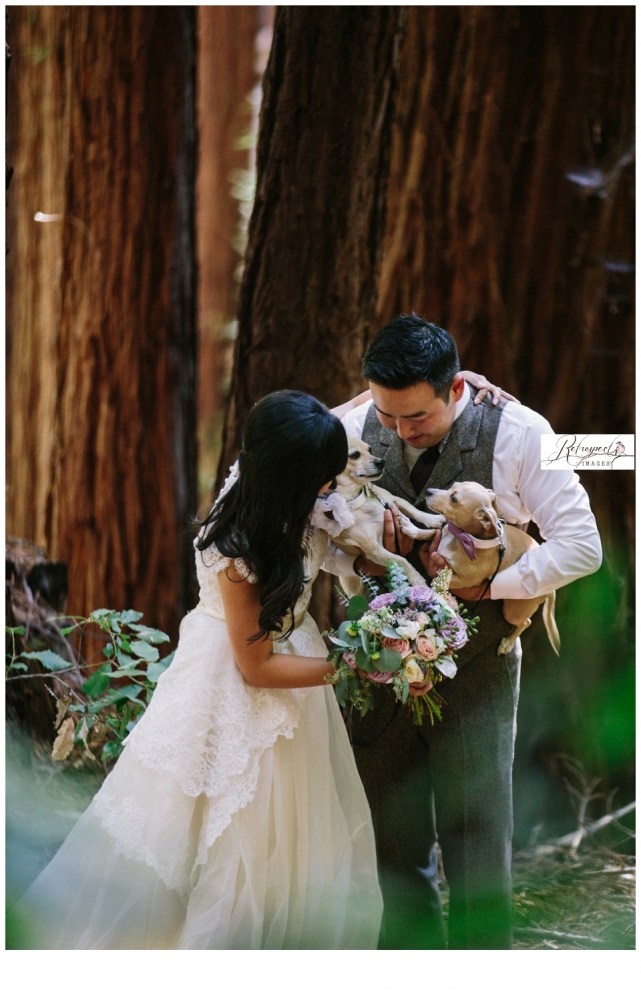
<point x="412" y="670"/>
<point x="447" y="666"/>
<point x="409" y="630"/>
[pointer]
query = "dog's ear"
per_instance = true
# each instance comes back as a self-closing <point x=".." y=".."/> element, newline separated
<point x="487" y="517"/>
<point x="492" y="496"/>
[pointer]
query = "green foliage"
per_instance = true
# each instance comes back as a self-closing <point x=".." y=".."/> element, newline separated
<point x="112" y="708"/>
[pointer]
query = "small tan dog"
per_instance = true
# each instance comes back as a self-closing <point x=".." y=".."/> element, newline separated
<point x="471" y="545"/>
<point x="365" y="508"/>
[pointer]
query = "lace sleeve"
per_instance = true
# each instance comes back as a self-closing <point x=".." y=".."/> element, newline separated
<point x="212" y="562"/>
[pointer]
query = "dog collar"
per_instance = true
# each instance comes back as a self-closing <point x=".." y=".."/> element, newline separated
<point x="366" y="492"/>
<point x="469" y="542"/>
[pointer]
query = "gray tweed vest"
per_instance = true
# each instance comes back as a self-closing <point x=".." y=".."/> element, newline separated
<point x="466" y="457"/>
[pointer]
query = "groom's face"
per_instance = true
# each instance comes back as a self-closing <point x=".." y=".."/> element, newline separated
<point x="417" y="414"/>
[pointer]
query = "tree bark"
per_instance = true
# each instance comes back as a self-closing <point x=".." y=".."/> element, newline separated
<point x="313" y="255"/>
<point x="488" y="234"/>
<point x="226" y="77"/>
<point x="101" y="304"/>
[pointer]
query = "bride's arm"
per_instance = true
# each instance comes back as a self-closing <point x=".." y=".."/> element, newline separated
<point x="340" y="411"/>
<point x="478" y="381"/>
<point x="258" y="663"/>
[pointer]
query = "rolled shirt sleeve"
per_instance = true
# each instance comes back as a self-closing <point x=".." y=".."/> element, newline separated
<point x="554" y="499"/>
<point x="337" y="562"/>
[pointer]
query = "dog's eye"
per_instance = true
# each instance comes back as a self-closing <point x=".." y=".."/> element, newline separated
<point x="453" y="498"/>
<point x="354" y="454"/>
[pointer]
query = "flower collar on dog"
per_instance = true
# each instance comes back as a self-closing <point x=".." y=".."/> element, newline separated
<point x="332" y="513"/>
<point x="470" y="543"/>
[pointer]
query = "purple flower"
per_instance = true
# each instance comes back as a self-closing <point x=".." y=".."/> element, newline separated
<point x="381" y="601"/>
<point x="420" y="595"/>
<point x="455" y="633"/>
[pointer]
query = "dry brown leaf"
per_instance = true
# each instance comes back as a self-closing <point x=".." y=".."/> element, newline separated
<point x="82" y="735"/>
<point x="63" y="744"/>
<point x="63" y="705"/>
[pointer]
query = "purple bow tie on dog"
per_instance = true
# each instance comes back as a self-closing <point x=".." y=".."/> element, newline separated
<point x="466" y="540"/>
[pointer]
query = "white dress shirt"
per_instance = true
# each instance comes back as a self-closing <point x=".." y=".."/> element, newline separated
<point x="553" y="499"/>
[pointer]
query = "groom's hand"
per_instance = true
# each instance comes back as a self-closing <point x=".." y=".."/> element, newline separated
<point x="432" y="560"/>
<point x="391" y="532"/>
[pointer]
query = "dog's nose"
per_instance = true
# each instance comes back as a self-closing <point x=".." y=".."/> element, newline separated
<point x="380" y="462"/>
<point x="429" y="492"/>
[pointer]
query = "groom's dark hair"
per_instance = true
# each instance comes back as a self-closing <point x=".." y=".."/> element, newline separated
<point x="410" y="350"/>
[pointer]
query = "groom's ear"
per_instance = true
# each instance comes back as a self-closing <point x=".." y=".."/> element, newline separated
<point x="458" y="387"/>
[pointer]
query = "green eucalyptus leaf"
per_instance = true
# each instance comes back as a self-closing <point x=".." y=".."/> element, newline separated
<point x="389" y="661"/>
<point x="391" y="633"/>
<point x="49" y="660"/>
<point x="363" y="661"/>
<point x="341" y="691"/>
<point x="357" y="607"/>
<point x="366" y="639"/>
<point x="338" y="642"/>
<point x="145" y="651"/>
<point x="345" y="635"/>
<point x="406" y="690"/>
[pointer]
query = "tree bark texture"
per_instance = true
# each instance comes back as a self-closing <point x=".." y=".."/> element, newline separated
<point x="226" y="76"/>
<point x="101" y="301"/>
<point x="308" y="297"/>
<point x="511" y="207"/>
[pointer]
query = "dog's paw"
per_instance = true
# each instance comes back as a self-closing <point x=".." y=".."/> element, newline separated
<point x="434" y="520"/>
<point x="407" y="527"/>
<point x="506" y="645"/>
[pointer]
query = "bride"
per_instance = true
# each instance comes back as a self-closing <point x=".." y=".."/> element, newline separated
<point x="235" y="817"/>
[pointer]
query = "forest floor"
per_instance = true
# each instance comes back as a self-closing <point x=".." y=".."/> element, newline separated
<point x="563" y="899"/>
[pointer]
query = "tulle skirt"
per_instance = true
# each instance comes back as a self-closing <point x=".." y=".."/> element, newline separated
<point x="234" y="819"/>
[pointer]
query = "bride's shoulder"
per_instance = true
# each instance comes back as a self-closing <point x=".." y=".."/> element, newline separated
<point x="213" y="561"/>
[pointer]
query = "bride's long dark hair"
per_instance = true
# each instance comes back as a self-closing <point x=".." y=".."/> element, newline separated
<point x="292" y="446"/>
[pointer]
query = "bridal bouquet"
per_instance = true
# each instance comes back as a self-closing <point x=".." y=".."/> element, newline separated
<point x="410" y="635"/>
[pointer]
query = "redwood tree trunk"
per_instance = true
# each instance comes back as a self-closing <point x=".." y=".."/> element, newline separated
<point x="511" y="211"/>
<point x="308" y="297"/>
<point x="226" y="77"/>
<point x="101" y="310"/>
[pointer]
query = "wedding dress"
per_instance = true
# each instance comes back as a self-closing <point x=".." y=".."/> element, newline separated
<point x="234" y="819"/>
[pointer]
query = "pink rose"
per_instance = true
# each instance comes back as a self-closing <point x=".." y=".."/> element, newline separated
<point x="381" y="601"/>
<point x="451" y="600"/>
<point x="426" y="648"/>
<point x="381" y="677"/>
<point x="350" y="660"/>
<point x="401" y="646"/>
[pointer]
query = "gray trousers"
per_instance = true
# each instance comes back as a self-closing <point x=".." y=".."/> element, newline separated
<point x="453" y="782"/>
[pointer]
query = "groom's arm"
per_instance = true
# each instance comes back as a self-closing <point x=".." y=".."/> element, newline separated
<point x="558" y="504"/>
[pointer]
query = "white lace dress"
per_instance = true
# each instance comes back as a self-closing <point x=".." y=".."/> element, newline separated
<point x="235" y="817"/>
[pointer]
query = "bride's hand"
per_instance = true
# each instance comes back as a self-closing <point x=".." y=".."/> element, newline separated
<point x="484" y="386"/>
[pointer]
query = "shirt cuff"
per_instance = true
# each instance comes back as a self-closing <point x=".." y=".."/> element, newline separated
<point x="508" y="584"/>
<point x="344" y="564"/>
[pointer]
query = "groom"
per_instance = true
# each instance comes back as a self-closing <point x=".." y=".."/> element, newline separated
<point x="453" y="781"/>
